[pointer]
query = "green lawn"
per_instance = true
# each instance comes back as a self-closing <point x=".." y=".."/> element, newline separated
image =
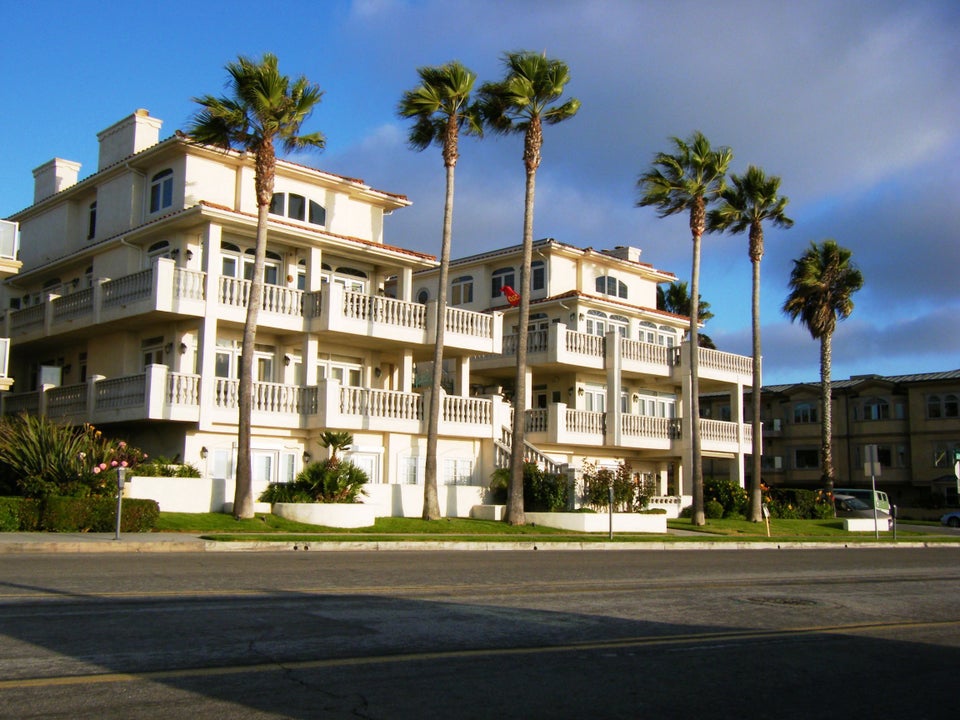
<point x="270" y="527"/>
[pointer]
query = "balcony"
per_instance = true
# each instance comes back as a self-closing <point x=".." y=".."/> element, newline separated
<point x="166" y="289"/>
<point x="158" y="394"/>
<point x="559" y="425"/>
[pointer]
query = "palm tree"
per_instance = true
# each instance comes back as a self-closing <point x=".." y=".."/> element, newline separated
<point x="527" y="98"/>
<point x="676" y="299"/>
<point x="688" y="181"/>
<point x="441" y="107"/>
<point x="749" y="201"/>
<point x="822" y="284"/>
<point x="264" y="109"/>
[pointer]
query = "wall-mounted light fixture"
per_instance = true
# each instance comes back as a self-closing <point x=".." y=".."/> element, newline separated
<point x="581" y="317"/>
<point x="306" y="457"/>
<point x="580" y="392"/>
<point x="570" y="391"/>
<point x="189" y="255"/>
<point x="636" y="397"/>
<point x="183" y="348"/>
<point x="168" y="348"/>
<point x="204" y="452"/>
<point x="287" y="360"/>
<point x="377" y="372"/>
<point x="66" y="368"/>
<point x="175" y="253"/>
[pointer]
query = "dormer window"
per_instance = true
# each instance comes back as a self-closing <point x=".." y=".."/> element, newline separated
<point x="161" y="190"/>
<point x="297" y="207"/>
<point x="609" y="285"/>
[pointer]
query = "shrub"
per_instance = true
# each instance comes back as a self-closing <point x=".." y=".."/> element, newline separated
<point x="630" y="493"/>
<point x="70" y="514"/>
<point x="327" y="481"/>
<point x="797" y="504"/>
<point x="164" y="467"/>
<point x="713" y="510"/>
<point x="542" y="491"/>
<point x="41" y="458"/>
<point x="728" y="493"/>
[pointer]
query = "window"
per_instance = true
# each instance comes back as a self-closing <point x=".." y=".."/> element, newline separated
<point x="595" y="398"/>
<point x="92" y="220"/>
<point x="805" y="413"/>
<point x="945" y="407"/>
<point x="596" y="322"/>
<point x="667" y="336"/>
<point x="609" y="285"/>
<point x="621" y="324"/>
<point x="538" y="275"/>
<point x="457" y="472"/>
<point x="806" y="459"/>
<point x="876" y="409"/>
<point x="161" y="190"/>
<point x="298" y="207"/>
<point x="648" y="332"/>
<point x="227" y="359"/>
<point x="158" y="250"/>
<point x="499" y="278"/>
<point x="461" y="290"/>
<point x="271" y="266"/>
<point x="151" y="350"/>
<point x="411" y="470"/>
<point x="346" y="370"/>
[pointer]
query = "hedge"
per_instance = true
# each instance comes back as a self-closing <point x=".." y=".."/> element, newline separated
<point x="65" y="514"/>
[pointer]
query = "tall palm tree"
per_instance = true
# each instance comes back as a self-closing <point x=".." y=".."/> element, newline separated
<point x="751" y="200"/>
<point x="263" y="109"/>
<point x="523" y="102"/>
<point x="688" y="181"/>
<point x="676" y="299"/>
<point x="822" y="285"/>
<point x="441" y="108"/>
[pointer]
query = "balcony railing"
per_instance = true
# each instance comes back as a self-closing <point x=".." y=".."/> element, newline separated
<point x="170" y="289"/>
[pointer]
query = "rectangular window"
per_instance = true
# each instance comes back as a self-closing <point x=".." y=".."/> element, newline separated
<point x="461" y="291"/>
<point x="411" y="470"/>
<point x="806" y="459"/>
<point x="457" y="472"/>
<point x="318" y="216"/>
<point x="538" y="275"/>
<point x="296" y="207"/>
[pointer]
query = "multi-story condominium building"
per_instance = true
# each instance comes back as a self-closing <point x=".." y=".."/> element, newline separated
<point x="129" y="308"/>
<point x="914" y="420"/>
<point x="9" y="265"/>
<point x="606" y="375"/>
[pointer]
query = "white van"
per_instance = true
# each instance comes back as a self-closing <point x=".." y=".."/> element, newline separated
<point x="873" y="498"/>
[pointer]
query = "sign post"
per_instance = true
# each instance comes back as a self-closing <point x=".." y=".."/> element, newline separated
<point x="871" y="467"/>
<point x="121" y="475"/>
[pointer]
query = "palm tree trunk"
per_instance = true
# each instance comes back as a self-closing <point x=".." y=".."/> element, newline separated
<point x="756" y="514"/>
<point x="431" y="503"/>
<point x="697" y="220"/>
<point x="243" y="494"/>
<point x="514" y="513"/>
<point x="826" y="408"/>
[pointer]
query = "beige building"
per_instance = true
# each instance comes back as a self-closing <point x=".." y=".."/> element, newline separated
<point x="129" y="308"/>
<point x="9" y="265"/>
<point x="914" y="420"/>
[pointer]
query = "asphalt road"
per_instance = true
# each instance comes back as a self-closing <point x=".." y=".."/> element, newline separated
<point x="837" y="633"/>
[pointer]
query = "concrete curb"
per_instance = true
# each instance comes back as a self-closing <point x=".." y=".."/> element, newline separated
<point x="39" y="543"/>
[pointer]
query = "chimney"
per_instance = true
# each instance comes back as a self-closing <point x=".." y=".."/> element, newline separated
<point x="54" y="176"/>
<point x="622" y="252"/>
<point x="128" y="137"/>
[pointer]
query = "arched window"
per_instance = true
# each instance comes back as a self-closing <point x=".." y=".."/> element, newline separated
<point x="876" y="409"/>
<point x="667" y="336"/>
<point x="596" y="322"/>
<point x="648" y="332"/>
<point x="298" y="207"/>
<point x="158" y="250"/>
<point x="609" y="285"/>
<point x="501" y="277"/>
<point x="805" y="413"/>
<point x="621" y="324"/>
<point x="161" y="190"/>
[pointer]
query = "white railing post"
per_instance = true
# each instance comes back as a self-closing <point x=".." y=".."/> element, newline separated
<point x="92" y="395"/>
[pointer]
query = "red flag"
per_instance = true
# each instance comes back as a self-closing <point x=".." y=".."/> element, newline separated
<point x="513" y="297"/>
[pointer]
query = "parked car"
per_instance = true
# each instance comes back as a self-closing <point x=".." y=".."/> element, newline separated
<point x="870" y="497"/>
<point x="847" y="506"/>
<point x="951" y="519"/>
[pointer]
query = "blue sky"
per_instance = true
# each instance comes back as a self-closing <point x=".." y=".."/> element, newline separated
<point x="855" y="104"/>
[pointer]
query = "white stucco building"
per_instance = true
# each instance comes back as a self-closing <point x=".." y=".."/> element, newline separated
<point x="129" y="307"/>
